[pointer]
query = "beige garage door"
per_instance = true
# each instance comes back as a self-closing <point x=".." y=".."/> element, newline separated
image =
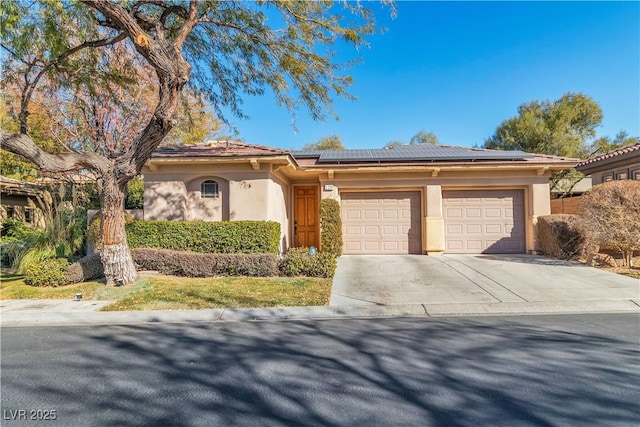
<point x="381" y="223"/>
<point x="489" y="221"/>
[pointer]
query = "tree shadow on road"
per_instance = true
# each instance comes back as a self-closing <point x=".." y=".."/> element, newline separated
<point x="424" y="372"/>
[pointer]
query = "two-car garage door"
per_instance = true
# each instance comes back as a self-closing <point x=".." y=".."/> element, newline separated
<point x="476" y="221"/>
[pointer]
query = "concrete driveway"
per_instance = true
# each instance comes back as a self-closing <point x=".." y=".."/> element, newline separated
<point x="515" y="282"/>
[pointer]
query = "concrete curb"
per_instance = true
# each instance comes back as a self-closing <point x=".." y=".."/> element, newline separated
<point x="34" y="317"/>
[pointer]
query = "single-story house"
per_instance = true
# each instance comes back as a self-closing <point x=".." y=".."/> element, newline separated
<point x="409" y="199"/>
<point x="21" y="200"/>
<point x="622" y="163"/>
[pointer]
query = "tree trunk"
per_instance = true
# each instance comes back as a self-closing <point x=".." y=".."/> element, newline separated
<point x="116" y="257"/>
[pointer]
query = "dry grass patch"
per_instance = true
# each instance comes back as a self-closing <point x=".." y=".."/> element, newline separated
<point x="12" y="286"/>
<point x="161" y="292"/>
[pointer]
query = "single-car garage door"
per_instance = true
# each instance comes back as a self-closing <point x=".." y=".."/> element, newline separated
<point x="381" y="223"/>
<point x="488" y="221"/>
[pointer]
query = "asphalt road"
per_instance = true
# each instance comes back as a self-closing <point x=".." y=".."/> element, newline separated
<point x="518" y="371"/>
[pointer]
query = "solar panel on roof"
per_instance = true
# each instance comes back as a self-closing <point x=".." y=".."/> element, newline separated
<point x="411" y="153"/>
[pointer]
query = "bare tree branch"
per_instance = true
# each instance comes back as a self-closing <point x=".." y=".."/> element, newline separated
<point x="24" y="146"/>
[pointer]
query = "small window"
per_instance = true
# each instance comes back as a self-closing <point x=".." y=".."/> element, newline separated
<point x="635" y="175"/>
<point x="11" y="211"/>
<point x="607" y="178"/>
<point x="28" y="215"/>
<point x="622" y="175"/>
<point x="209" y="189"/>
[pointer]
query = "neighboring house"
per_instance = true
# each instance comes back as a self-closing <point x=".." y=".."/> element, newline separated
<point x="21" y="200"/>
<point x="619" y="164"/>
<point x="412" y="199"/>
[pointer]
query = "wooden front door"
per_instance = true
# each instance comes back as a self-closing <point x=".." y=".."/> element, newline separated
<point x="305" y="226"/>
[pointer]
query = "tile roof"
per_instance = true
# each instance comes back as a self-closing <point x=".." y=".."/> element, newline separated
<point x="612" y="154"/>
<point x="218" y="149"/>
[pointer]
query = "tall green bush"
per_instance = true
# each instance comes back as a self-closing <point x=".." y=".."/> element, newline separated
<point x="330" y="227"/>
<point x="207" y="237"/>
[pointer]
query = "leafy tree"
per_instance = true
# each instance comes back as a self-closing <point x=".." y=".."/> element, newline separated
<point x="420" y="138"/>
<point x="58" y="115"/>
<point x="605" y="143"/>
<point x="609" y="213"/>
<point x="333" y="142"/>
<point x="224" y="50"/>
<point x="560" y="128"/>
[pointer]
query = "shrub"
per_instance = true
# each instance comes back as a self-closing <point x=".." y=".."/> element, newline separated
<point x="192" y="264"/>
<point x="609" y="214"/>
<point x="14" y="230"/>
<point x="226" y="237"/>
<point x="86" y="268"/>
<point x="48" y="272"/>
<point x="560" y="236"/>
<point x="331" y="227"/>
<point x="298" y="262"/>
<point x="94" y="230"/>
<point x="62" y="237"/>
<point x="12" y="243"/>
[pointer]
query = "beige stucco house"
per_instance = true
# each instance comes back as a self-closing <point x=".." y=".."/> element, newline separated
<point x="409" y="199"/>
<point x="622" y="163"/>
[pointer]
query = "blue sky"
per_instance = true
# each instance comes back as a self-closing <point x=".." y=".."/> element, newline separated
<point x="460" y="68"/>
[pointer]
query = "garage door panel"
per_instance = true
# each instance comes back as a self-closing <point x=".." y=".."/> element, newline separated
<point x="490" y="221"/>
<point x="381" y="223"/>
<point x="371" y="230"/>
<point x="391" y="214"/>
<point x="496" y="229"/>
<point x="371" y="214"/>
<point x="474" y="229"/>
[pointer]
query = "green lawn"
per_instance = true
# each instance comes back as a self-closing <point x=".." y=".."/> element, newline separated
<point x="160" y="292"/>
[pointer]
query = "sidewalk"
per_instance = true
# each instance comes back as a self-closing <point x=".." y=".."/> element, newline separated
<point x="70" y="312"/>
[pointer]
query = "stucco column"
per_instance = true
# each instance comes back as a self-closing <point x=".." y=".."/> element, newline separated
<point x="434" y="221"/>
<point x="540" y="204"/>
<point x="329" y="190"/>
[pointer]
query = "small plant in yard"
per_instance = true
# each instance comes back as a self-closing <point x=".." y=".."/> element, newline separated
<point x="47" y="272"/>
<point x="299" y="262"/>
<point x="610" y="214"/>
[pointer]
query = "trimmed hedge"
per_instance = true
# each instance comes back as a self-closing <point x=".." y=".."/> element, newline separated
<point x="331" y="227"/>
<point x="47" y="272"/>
<point x="227" y="237"/>
<point x="192" y="264"/>
<point x="298" y="262"/>
<point x="560" y="236"/>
